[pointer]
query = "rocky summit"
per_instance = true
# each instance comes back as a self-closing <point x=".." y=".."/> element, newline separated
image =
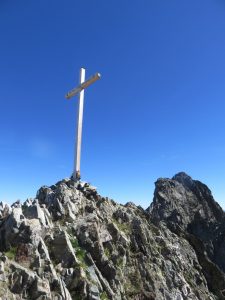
<point x="71" y="243"/>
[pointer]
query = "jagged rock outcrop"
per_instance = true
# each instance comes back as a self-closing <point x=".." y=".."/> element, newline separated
<point x="187" y="208"/>
<point x="71" y="243"/>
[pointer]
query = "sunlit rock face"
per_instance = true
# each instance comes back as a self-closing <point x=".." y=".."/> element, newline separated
<point x="71" y="243"/>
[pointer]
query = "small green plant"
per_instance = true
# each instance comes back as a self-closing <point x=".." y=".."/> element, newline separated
<point x="103" y="296"/>
<point x="74" y="243"/>
<point x="11" y="253"/>
<point x="80" y="253"/>
<point x="125" y="227"/>
<point x="107" y="252"/>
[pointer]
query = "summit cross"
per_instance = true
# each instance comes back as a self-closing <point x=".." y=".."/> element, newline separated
<point x="80" y="91"/>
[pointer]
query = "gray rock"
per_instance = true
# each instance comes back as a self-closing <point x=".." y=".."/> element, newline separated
<point x="71" y="243"/>
<point x="5" y="210"/>
<point x="62" y="250"/>
<point x="34" y="211"/>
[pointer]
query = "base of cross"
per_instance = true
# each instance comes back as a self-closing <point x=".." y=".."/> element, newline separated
<point x="76" y="177"/>
<point x="83" y="186"/>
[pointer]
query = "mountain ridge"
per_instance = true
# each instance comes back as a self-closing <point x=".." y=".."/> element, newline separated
<point x="71" y="243"/>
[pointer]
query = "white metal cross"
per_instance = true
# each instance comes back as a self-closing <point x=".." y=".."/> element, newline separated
<point x="80" y="90"/>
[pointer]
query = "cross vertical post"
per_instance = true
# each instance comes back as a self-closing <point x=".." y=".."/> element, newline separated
<point x="80" y="90"/>
<point x="76" y="170"/>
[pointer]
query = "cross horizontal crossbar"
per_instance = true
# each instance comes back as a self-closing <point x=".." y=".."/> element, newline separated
<point x="82" y="86"/>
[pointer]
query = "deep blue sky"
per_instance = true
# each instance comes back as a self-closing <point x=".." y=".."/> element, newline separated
<point x="157" y="110"/>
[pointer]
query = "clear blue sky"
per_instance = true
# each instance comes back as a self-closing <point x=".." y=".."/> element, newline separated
<point x="157" y="110"/>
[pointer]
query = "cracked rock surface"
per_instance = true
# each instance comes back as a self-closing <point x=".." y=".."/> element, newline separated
<point x="71" y="243"/>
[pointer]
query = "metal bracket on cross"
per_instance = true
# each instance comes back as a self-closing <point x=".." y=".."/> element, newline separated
<point x="80" y="91"/>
